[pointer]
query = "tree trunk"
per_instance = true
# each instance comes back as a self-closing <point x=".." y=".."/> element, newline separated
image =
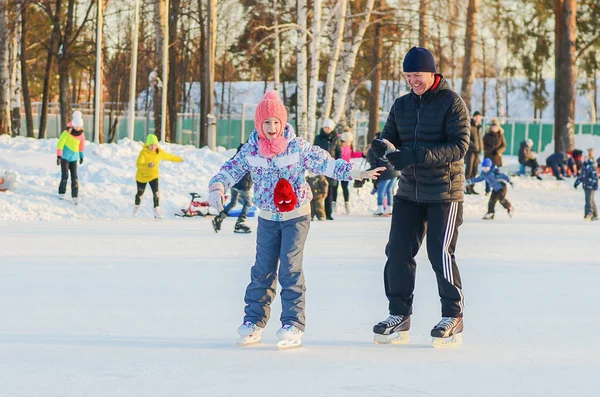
<point x="24" y="75"/>
<point x="349" y="60"/>
<point x="484" y="97"/>
<point x="203" y="138"/>
<point x="52" y="50"/>
<point x="16" y="73"/>
<point x="277" y="72"/>
<point x="375" y="81"/>
<point x="565" y="63"/>
<point x="423" y="22"/>
<point x="470" y="40"/>
<point x="173" y="86"/>
<point x="338" y="37"/>
<point x="4" y="72"/>
<point x="453" y="17"/>
<point x="301" y="71"/>
<point x="64" y="60"/>
<point x="498" y="87"/>
<point x="159" y="28"/>
<point x="315" y="54"/>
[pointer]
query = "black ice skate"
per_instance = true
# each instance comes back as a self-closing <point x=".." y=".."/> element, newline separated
<point x="218" y="220"/>
<point x="393" y="329"/>
<point x="448" y="332"/>
<point x="241" y="227"/>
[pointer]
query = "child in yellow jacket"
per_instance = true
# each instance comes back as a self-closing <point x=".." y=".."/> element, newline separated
<point x="147" y="172"/>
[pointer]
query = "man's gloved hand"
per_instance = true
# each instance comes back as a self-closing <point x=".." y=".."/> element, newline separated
<point x="57" y="160"/>
<point x="216" y="196"/>
<point x="381" y="147"/>
<point x="81" y="160"/>
<point x="404" y="158"/>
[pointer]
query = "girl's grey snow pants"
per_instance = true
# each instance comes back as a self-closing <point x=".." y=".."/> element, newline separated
<point x="283" y="243"/>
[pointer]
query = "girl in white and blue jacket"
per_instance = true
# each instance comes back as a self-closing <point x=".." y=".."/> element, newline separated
<point x="277" y="161"/>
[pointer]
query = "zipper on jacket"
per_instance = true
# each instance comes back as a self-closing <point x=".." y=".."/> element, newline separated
<point x="414" y="147"/>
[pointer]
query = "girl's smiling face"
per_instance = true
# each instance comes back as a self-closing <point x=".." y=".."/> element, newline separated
<point x="271" y="127"/>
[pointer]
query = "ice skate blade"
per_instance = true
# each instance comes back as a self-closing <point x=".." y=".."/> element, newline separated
<point x="397" y="338"/>
<point x="288" y="344"/>
<point x="452" y="341"/>
<point x="248" y="341"/>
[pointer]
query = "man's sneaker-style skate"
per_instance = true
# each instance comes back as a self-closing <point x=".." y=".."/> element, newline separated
<point x="511" y="212"/>
<point x="249" y="333"/>
<point x="393" y="329"/>
<point x="289" y="337"/>
<point x="489" y="216"/>
<point x="448" y="332"/>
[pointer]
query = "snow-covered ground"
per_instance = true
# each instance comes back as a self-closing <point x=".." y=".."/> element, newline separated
<point x="94" y="303"/>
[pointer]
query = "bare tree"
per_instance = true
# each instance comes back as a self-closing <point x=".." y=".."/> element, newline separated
<point x="160" y="10"/>
<point x="315" y="55"/>
<point x="352" y="44"/>
<point x="375" y="79"/>
<point x="4" y="73"/>
<point x="301" y="72"/>
<point x="564" y="93"/>
<point x="470" y="40"/>
<point x="24" y="4"/>
<point x="338" y="36"/>
<point x="423" y="22"/>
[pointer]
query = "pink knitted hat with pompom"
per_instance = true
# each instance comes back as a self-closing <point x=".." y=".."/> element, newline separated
<point x="270" y="106"/>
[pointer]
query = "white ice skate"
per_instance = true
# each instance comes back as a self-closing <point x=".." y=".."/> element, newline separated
<point x="448" y="332"/>
<point x="75" y="201"/>
<point x="61" y="196"/>
<point x="290" y="337"/>
<point x="157" y="214"/>
<point x="250" y="334"/>
<point x="388" y="211"/>
<point x="136" y="208"/>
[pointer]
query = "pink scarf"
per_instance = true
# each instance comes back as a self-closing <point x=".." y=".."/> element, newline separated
<point x="273" y="147"/>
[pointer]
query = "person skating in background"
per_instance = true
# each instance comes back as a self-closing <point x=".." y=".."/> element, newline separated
<point x="497" y="181"/>
<point x="494" y="145"/>
<point x="277" y="161"/>
<point x="385" y="183"/>
<point x="241" y="191"/>
<point x="328" y="140"/>
<point x="348" y="154"/>
<point x="588" y="178"/>
<point x="319" y="188"/>
<point x="472" y="158"/>
<point x="70" y="150"/>
<point x="147" y="165"/>
<point x="559" y="162"/>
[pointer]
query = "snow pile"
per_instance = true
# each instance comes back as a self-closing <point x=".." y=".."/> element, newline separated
<point x="107" y="183"/>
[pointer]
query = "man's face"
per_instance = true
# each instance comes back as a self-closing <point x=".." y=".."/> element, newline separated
<point x="478" y="119"/>
<point x="420" y="82"/>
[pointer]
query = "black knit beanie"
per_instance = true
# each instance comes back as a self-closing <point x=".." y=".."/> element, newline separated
<point x="418" y="59"/>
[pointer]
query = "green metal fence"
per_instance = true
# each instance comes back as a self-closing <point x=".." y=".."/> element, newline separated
<point x="233" y="130"/>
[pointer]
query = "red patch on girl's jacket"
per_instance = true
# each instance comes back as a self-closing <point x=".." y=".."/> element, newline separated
<point x="284" y="196"/>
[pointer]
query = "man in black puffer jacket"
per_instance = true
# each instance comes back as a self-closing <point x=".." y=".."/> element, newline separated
<point x="426" y="137"/>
